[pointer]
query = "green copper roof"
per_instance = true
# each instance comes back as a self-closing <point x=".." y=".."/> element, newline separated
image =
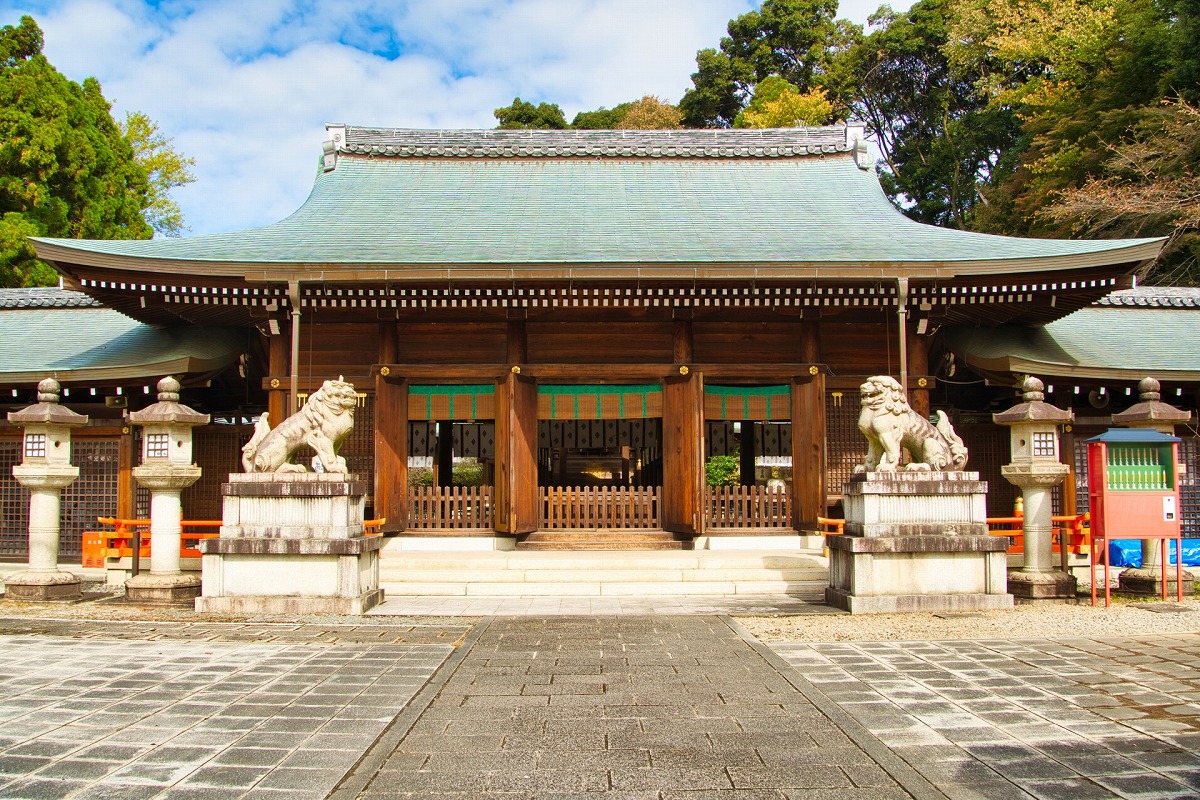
<point x="98" y="344"/>
<point x="1096" y="342"/>
<point x="429" y="216"/>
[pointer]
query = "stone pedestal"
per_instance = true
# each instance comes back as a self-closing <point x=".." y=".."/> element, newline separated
<point x="916" y="541"/>
<point x="165" y="583"/>
<point x="291" y="543"/>
<point x="43" y="580"/>
<point x="1039" y="578"/>
<point x="1148" y="580"/>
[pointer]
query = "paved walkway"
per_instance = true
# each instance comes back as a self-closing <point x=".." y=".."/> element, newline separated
<point x="670" y="707"/>
<point x="598" y="606"/>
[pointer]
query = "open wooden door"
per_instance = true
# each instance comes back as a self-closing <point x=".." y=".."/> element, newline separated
<point x="517" y="492"/>
<point x="682" y="504"/>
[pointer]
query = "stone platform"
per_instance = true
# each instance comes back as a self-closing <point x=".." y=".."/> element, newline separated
<point x="291" y="543"/>
<point x="917" y="541"/>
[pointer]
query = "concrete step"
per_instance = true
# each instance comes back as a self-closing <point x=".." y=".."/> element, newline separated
<point x="603" y="540"/>
<point x="599" y="573"/>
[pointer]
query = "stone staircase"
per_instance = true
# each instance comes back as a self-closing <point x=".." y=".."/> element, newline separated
<point x="802" y="574"/>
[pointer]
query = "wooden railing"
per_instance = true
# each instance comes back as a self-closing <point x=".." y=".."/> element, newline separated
<point x="595" y="507"/>
<point x="1073" y="529"/>
<point x="449" y="507"/>
<point x="128" y="534"/>
<point x="748" y="506"/>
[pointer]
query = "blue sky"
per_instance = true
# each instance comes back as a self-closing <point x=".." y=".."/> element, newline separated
<point x="245" y="87"/>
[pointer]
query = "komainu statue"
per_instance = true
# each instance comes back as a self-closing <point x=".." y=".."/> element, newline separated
<point x="889" y="423"/>
<point x="322" y="424"/>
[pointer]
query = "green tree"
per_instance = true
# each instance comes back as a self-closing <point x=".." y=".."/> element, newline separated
<point x="940" y="141"/>
<point x="799" y="40"/>
<point x="166" y="168"/>
<point x="66" y="170"/>
<point x="778" y="104"/>
<point x="602" y="118"/>
<point x="526" y="115"/>
<point x="723" y="471"/>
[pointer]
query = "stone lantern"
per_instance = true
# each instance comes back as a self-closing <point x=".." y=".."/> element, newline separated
<point x="166" y="470"/>
<point x="1152" y="414"/>
<point x="1036" y="469"/>
<point x="45" y="469"/>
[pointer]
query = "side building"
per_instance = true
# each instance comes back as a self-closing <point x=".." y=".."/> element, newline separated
<point x="590" y="316"/>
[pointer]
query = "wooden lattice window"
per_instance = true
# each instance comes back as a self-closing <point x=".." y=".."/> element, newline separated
<point x="845" y="446"/>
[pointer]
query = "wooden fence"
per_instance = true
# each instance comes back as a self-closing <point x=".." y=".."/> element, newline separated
<point x="595" y="507"/>
<point x="748" y="506"/>
<point x="449" y="507"/>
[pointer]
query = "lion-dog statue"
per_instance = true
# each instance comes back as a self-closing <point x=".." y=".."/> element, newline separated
<point x="322" y="424"/>
<point x="889" y="424"/>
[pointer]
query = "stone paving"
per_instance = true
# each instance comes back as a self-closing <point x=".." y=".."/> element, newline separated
<point x="629" y="707"/>
<point x="600" y="606"/>
<point x="126" y="711"/>
<point x="1046" y="719"/>
<point x="669" y="707"/>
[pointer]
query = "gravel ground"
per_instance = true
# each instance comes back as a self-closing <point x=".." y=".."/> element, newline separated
<point x="1125" y="617"/>
<point x="1053" y="620"/>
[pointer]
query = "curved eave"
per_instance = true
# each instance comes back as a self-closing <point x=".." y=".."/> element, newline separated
<point x="67" y="255"/>
<point x="122" y="373"/>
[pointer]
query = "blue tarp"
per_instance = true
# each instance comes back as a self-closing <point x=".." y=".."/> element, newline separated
<point x="1128" y="552"/>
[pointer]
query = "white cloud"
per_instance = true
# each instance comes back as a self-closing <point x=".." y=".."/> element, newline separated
<point x="245" y="87"/>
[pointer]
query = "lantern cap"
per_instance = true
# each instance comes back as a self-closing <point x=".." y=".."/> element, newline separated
<point x="168" y="410"/>
<point x="1151" y="408"/>
<point x="47" y="409"/>
<point x="1033" y="408"/>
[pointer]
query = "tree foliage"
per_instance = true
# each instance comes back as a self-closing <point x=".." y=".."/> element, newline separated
<point x="166" y="168"/>
<point x="778" y="104"/>
<point x="798" y="40"/>
<point x="650" y="113"/>
<point x="522" y="114"/>
<point x="66" y="168"/>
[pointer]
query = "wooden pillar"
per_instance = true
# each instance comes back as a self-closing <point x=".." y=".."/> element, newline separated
<point x="808" y="451"/>
<point x="746" y="452"/>
<point x="278" y="408"/>
<point x="391" y="452"/>
<point x="443" y="471"/>
<point x="517" y="492"/>
<point x="681" y="504"/>
<point x="126" y="487"/>
<point x="808" y="435"/>
<point x="918" y="368"/>
<point x="682" y="342"/>
<point x="517" y="342"/>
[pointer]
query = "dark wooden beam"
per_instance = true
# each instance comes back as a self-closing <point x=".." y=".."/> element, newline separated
<point x="596" y="373"/>
<point x="517" y="494"/>
<point x="681" y="507"/>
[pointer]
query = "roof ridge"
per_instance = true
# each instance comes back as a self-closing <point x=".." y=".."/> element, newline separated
<point x="1153" y="297"/>
<point x="718" y="143"/>
<point x="45" y="297"/>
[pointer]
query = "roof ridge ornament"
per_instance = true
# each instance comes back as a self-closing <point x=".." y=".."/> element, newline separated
<point x="336" y="131"/>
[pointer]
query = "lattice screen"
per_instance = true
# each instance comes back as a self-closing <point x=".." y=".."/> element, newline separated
<point x="14" y="504"/>
<point x="359" y="447"/>
<point x="93" y="495"/>
<point x="988" y="447"/>
<point x="217" y="450"/>
<point x="845" y="446"/>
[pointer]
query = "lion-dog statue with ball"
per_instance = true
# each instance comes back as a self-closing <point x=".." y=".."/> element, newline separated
<point x="322" y="424"/>
<point x="889" y="424"/>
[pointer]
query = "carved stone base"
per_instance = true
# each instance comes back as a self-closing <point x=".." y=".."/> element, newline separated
<point x="1140" y="580"/>
<point x="1032" y="586"/>
<point x="291" y="544"/>
<point x="38" y="587"/>
<point x="178" y="589"/>
<point x="917" y="573"/>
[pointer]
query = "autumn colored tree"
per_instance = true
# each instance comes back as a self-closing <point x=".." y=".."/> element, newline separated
<point x="166" y="168"/>
<point x="651" y="113"/>
<point x="778" y="104"/>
